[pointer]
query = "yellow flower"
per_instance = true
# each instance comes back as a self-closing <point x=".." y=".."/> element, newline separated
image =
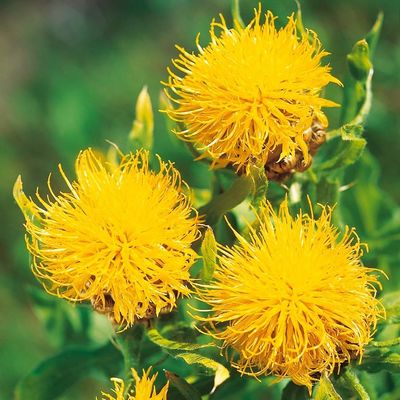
<point x="120" y="237"/>
<point x="144" y="389"/>
<point x="252" y="94"/>
<point x="293" y="300"/>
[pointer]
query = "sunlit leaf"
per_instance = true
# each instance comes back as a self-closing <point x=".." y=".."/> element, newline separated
<point x="221" y="373"/>
<point x="326" y="391"/>
<point x="209" y="253"/>
<point x="141" y="134"/>
<point x="165" y="343"/>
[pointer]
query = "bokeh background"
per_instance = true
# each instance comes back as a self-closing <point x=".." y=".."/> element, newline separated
<point x="70" y="71"/>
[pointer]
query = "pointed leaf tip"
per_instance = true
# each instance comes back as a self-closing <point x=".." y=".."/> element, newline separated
<point x="237" y="19"/>
<point x="359" y="60"/>
<point x="141" y="134"/>
<point x="221" y="374"/>
<point x="24" y="203"/>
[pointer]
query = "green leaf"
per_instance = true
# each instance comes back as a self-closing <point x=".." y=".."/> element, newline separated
<point x="209" y="253"/>
<point x="357" y="89"/>
<point x="342" y="150"/>
<point x="56" y="375"/>
<point x="260" y="184"/>
<point x="373" y="35"/>
<point x="224" y="202"/>
<point x="386" y="343"/>
<point x="167" y="344"/>
<point x="326" y="391"/>
<point x="328" y="191"/>
<point x="391" y="302"/>
<point x="376" y="359"/>
<point x="25" y="204"/>
<point x="188" y="391"/>
<point x="221" y="373"/>
<point x="377" y="219"/>
<point x="351" y="380"/>
<point x="237" y="19"/>
<point x="65" y="322"/>
<point x="165" y="105"/>
<point x="141" y="134"/>
<point x="294" y="392"/>
<point x="359" y="61"/>
<point x="299" y="19"/>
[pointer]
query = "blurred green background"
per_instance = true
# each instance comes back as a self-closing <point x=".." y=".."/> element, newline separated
<point x="70" y="72"/>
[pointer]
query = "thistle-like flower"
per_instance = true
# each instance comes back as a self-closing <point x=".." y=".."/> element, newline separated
<point x="120" y="237"/>
<point x="252" y="95"/>
<point x="293" y="300"/>
<point x="144" y="389"/>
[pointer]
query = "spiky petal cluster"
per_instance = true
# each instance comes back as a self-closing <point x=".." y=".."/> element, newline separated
<point x="120" y="237"/>
<point x="251" y="92"/>
<point x="293" y="299"/>
<point x="144" y="389"/>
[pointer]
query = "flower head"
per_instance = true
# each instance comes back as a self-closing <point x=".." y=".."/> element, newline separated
<point x="120" y="237"/>
<point x="293" y="300"/>
<point x="144" y="389"/>
<point x="251" y="94"/>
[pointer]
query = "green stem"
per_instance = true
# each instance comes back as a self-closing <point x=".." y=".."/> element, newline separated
<point x="354" y="383"/>
<point x="129" y="344"/>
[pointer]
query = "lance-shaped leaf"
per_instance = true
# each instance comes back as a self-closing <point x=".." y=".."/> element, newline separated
<point x="345" y="145"/>
<point x="237" y="19"/>
<point x="342" y="150"/>
<point x="326" y="391"/>
<point x="260" y="184"/>
<point x="357" y="93"/>
<point x="224" y="202"/>
<point x="299" y="19"/>
<point x="359" y="61"/>
<point x="141" y="134"/>
<point x="377" y="359"/>
<point x="186" y="351"/>
<point x="221" y="373"/>
<point x="168" y="344"/>
<point x="25" y="204"/>
<point x="391" y="302"/>
<point x="373" y="35"/>
<point x="209" y="253"/>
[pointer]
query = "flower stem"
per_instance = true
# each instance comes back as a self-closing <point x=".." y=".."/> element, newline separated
<point x="129" y="344"/>
<point x="354" y="383"/>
